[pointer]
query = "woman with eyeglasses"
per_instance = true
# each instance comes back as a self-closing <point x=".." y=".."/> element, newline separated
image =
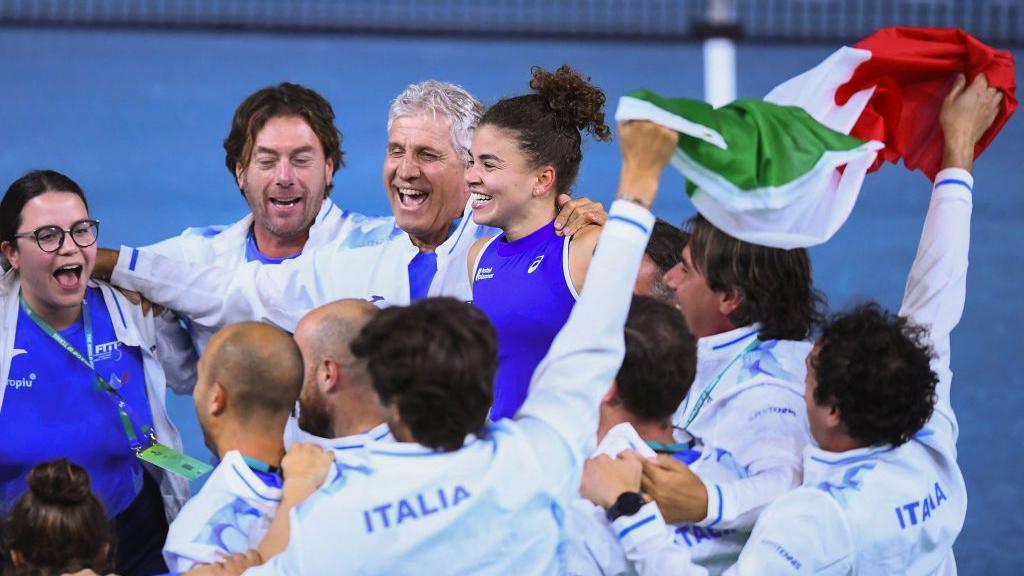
<point x="80" y="377"/>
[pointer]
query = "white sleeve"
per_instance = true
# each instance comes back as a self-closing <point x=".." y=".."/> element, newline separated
<point x="183" y="551"/>
<point x="647" y="542"/>
<point x="767" y="442"/>
<point x="803" y="532"/>
<point x="184" y="556"/>
<point x="590" y="547"/>
<point x="937" y="284"/>
<point x="185" y="246"/>
<point x="213" y="296"/>
<point x="560" y="413"/>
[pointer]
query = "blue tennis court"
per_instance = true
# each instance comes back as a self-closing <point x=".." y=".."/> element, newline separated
<point x="137" y="118"/>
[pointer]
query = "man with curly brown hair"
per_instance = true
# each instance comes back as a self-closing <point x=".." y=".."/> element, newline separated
<point x="882" y="492"/>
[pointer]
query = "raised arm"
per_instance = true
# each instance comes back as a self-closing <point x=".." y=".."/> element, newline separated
<point x="937" y="283"/>
<point x="560" y="412"/>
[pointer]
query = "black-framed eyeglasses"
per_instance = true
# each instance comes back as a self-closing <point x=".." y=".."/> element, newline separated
<point x="51" y="238"/>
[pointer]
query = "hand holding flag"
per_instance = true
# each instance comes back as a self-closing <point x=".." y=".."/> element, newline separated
<point x="967" y="113"/>
<point x="786" y="172"/>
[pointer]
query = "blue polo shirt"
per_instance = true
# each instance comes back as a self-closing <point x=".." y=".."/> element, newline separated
<point x="52" y="408"/>
<point x="253" y="254"/>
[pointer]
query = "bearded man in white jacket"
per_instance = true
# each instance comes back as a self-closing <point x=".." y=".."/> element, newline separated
<point x="386" y="261"/>
<point x="283" y="150"/>
<point x="882" y="492"/>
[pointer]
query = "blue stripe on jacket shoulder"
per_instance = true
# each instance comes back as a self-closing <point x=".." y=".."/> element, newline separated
<point x="630" y="221"/>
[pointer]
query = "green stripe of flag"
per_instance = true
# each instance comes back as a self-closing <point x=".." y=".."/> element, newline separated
<point x="749" y="154"/>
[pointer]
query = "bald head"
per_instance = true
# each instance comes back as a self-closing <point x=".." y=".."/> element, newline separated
<point x="327" y="331"/>
<point x="337" y="397"/>
<point x="258" y="365"/>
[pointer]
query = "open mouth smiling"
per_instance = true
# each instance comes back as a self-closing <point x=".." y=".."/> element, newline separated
<point x="411" y="198"/>
<point x="68" y="276"/>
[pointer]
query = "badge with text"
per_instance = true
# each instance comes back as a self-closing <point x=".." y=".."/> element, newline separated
<point x="173" y="461"/>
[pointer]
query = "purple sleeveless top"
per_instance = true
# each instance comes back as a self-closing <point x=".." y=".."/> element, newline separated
<point x="524" y="288"/>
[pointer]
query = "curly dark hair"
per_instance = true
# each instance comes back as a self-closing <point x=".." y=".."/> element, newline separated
<point x="285" y="99"/>
<point x="59" y="525"/>
<point x="547" y="123"/>
<point x="874" y="366"/>
<point x="776" y="285"/>
<point x="660" y="361"/>
<point x="434" y="359"/>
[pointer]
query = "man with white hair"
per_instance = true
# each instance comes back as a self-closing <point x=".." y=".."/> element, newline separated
<point x="390" y="262"/>
<point x="456" y="493"/>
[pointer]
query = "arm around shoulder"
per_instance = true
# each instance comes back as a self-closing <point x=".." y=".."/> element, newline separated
<point x="214" y="296"/>
<point x="581" y="252"/>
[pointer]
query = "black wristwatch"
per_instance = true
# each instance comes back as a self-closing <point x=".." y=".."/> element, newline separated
<point x="627" y="504"/>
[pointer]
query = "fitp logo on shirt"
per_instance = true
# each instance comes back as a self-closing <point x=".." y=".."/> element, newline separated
<point x="107" y="351"/>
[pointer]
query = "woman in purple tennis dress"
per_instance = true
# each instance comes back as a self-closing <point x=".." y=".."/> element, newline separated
<point x="526" y="152"/>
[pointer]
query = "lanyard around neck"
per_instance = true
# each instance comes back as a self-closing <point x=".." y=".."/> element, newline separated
<point x="707" y="391"/>
<point x="666" y="448"/>
<point x="123" y="409"/>
<point x="261" y="466"/>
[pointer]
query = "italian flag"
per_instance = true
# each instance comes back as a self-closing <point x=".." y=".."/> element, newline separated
<point x="786" y="171"/>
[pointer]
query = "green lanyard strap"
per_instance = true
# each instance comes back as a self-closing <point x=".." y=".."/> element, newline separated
<point x="707" y="391"/>
<point x="123" y="408"/>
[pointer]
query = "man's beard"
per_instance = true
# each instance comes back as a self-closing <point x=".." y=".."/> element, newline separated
<point x="315" y="416"/>
<point x="260" y="213"/>
<point x="661" y="291"/>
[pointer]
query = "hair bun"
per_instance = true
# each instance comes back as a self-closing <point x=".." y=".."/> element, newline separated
<point x="573" y="98"/>
<point x="60" y="482"/>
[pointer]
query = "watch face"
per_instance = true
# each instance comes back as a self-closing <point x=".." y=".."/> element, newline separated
<point x="629" y="503"/>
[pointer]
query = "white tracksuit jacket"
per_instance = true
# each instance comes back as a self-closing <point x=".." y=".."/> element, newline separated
<point x="877" y="510"/>
<point x="755" y="412"/>
<point x="495" y="506"/>
<point x="225" y="246"/>
<point x="375" y="268"/>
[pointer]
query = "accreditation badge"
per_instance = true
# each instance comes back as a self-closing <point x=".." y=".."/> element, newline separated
<point x="173" y="461"/>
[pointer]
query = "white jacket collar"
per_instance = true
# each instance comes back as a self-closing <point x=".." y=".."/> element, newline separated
<point x="727" y="344"/>
<point x="389" y="447"/>
<point x="465" y="228"/>
<point x="819" y="463"/>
